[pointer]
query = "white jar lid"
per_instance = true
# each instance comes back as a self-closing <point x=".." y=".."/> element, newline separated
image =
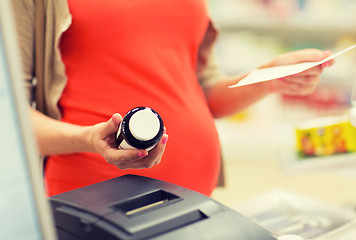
<point x="144" y="125"/>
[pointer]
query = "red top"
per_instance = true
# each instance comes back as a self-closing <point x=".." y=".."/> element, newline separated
<point x="120" y="55"/>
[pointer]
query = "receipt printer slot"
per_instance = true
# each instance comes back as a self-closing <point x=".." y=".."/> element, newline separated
<point x="146" y="202"/>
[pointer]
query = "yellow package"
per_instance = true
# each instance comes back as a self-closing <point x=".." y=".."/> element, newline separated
<point x="325" y="136"/>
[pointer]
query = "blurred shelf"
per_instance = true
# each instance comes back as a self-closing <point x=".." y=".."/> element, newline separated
<point x="292" y="32"/>
<point x="290" y="162"/>
<point x="295" y="20"/>
<point x="293" y="26"/>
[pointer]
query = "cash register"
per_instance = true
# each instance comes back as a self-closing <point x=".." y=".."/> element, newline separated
<point x="137" y="207"/>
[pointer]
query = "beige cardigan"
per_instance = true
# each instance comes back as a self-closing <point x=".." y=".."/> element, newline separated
<point x="57" y="19"/>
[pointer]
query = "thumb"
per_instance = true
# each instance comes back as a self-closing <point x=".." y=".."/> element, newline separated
<point x="111" y="125"/>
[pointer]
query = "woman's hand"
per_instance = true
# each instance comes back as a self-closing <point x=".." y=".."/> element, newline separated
<point x="302" y="83"/>
<point x="224" y="101"/>
<point x="102" y="138"/>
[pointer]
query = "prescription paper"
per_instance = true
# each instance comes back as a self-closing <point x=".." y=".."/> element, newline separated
<point x="266" y="74"/>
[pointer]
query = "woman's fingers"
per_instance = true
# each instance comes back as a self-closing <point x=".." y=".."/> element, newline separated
<point x="299" y="56"/>
<point x="136" y="158"/>
<point x="302" y="86"/>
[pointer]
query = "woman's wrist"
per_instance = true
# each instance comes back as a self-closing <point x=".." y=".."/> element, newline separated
<point x="84" y="139"/>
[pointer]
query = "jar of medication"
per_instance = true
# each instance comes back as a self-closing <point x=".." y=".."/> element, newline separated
<point x="141" y="128"/>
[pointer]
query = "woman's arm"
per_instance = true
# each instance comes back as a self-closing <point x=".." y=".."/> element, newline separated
<point x="224" y="101"/>
<point x="56" y="137"/>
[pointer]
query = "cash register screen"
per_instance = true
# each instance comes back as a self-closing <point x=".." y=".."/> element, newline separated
<point x="21" y="213"/>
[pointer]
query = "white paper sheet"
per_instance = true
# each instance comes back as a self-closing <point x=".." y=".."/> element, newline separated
<point x="266" y="74"/>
